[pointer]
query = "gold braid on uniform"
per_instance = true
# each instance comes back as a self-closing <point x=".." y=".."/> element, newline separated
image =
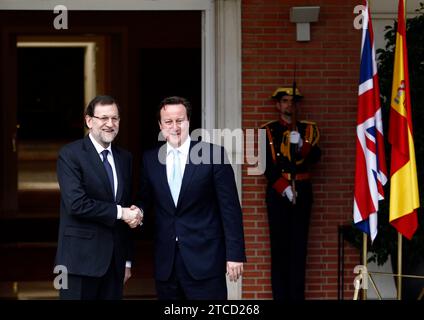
<point x="271" y="144"/>
<point x="311" y="136"/>
<point x="311" y="133"/>
<point x="285" y="145"/>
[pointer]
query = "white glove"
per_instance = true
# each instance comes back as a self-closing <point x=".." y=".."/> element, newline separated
<point x="295" y="138"/>
<point x="288" y="192"/>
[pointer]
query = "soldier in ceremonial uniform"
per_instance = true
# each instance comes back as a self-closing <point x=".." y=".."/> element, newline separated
<point x="292" y="146"/>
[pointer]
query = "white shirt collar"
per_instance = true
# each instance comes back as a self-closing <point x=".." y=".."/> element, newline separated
<point x="183" y="149"/>
<point x="98" y="146"/>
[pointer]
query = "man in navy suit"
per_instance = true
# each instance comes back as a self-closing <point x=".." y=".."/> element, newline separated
<point x="95" y="184"/>
<point x="199" y="229"/>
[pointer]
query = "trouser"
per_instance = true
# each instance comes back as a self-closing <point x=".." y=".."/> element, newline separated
<point x="182" y="286"/>
<point x="288" y="226"/>
<point x="108" y="287"/>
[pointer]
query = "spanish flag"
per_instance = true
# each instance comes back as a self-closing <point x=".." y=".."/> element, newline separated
<point x="404" y="198"/>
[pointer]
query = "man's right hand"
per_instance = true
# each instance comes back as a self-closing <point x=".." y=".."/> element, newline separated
<point x="132" y="216"/>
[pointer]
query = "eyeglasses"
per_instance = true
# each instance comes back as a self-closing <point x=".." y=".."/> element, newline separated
<point x="106" y="119"/>
<point x="169" y="123"/>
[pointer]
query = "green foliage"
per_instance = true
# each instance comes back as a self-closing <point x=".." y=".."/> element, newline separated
<point x="386" y="241"/>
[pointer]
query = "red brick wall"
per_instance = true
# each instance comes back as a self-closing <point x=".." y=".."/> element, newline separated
<point x="327" y="74"/>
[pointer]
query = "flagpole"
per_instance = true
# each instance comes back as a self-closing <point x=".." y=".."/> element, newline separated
<point x="364" y="259"/>
<point x="399" y="267"/>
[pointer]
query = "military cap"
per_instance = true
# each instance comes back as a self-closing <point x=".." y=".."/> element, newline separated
<point x="285" y="91"/>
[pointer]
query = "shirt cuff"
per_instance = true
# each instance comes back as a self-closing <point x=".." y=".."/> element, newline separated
<point x="128" y="264"/>
<point x="119" y="214"/>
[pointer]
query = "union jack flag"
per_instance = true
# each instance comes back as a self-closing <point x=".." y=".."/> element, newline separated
<point x="370" y="169"/>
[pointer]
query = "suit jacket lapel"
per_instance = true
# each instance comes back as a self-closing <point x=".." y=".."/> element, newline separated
<point x="162" y="177"/>
<point x="97" y="164"/>
<point x="119" y="172"/>
<point x="189" y="170"/>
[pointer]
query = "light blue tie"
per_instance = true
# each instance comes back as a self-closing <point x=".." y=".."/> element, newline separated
<point x="176" y="178"/>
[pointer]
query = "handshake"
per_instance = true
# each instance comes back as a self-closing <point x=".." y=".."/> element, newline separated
<point x="133" y="216"/>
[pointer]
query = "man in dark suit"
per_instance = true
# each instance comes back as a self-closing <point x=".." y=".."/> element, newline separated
<point x="95" y="183"/>
<point x="199" y="229"/>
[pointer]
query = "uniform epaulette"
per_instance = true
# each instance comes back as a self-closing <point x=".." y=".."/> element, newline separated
<point x="269" y="122"/>
<point x="308" y="122"/>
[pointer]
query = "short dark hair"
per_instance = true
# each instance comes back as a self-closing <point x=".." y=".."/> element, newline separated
<point x="101" y="100"/>
<point x="174" y="100"/>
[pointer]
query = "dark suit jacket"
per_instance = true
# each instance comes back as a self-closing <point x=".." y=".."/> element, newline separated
<point x="89" y="231"/>
<point x="207" y="219"/>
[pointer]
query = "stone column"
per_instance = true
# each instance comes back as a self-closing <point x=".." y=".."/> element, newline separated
<point x="228" y="86"/>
